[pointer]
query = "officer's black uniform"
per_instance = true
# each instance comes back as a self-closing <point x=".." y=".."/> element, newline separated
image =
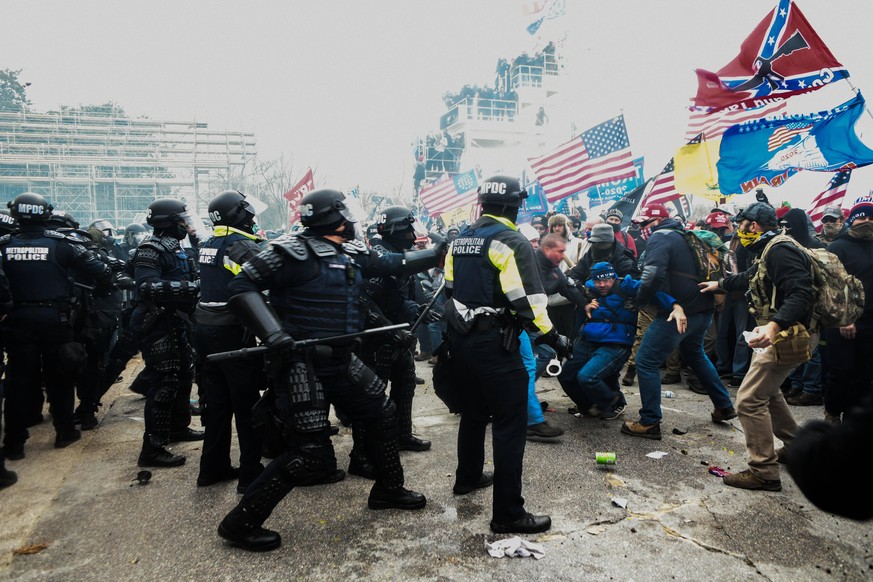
<point x="229" y="388"/>
<point x="315" y="288"/>
<point x="391" y="300"/>
<point x="491" y="275"/>
<point x="38" y="263"/>
<point x="167" y="289"/>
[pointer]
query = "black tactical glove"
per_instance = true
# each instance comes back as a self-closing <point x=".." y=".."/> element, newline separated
<point x="433" y="315"/>
<point x="559" y="343"/>
<point x="278" y="341"/>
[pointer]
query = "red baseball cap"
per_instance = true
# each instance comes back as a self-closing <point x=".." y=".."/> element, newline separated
<point x="718" y="220"/>
<point x="652" y="211"/>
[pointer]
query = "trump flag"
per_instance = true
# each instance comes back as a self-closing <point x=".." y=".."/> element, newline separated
<point x="769" y="151"/>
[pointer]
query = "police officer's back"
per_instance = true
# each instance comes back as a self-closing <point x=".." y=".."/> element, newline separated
<point x="38" y="263"/>
<point x="229" y="389"/>
<point x="495" y="290"/>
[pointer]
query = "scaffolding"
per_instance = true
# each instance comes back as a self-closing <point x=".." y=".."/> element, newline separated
<point x="110" y="166"/>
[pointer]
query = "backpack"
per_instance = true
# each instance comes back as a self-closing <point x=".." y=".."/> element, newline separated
<point x="839" y="297"/>
<point x="709" y="253"/>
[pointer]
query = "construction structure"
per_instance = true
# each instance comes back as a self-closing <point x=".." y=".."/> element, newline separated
<point x="109" y="166"/>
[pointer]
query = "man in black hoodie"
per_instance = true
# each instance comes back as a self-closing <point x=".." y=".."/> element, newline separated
<point x="671" y="268"/>
<point x="785" y="299"/>
<point x="850" y="348"/>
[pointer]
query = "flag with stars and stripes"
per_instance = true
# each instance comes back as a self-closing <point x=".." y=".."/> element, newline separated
<point x="782" y="57"/>
<point x="713" y="125"/>
<point x="832" y="195"/>
<point x="600" y="154"/>
<point x="450" y="192"/>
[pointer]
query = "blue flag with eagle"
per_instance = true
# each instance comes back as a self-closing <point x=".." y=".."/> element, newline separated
<point x="769" y="151"/>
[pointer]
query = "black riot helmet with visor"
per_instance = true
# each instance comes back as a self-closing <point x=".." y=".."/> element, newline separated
<point x="134" y="234"/>
<point x="324" y="211"/>
<point x="167" y="217"/>
<point x="8" y="223"/>
<point x="29" y="207"/>
<point x="395" y="225"/>
<point x="230" y="208"/>
<point x="105" y="227"/>
<point x="501" y="196"/>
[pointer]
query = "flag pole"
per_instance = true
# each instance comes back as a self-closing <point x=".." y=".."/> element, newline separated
<point x="867" y="109"/>
<point x="706" y="150"/>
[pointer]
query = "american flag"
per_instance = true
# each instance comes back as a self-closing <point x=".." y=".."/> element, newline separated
<point x="784" y="134"/>
<point x="832" y="196"/>
<point x="712" y="125"/>
<point x="450" y="192"/>
<point x="663" y="187"/>
<point x="599" y="155"/>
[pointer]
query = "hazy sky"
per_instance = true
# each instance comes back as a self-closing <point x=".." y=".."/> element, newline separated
<point x="345" y="86"/>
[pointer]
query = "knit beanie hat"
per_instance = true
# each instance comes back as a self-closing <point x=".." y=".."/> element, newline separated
<point x="863" y="206"/>
<point x="603" y="270"/>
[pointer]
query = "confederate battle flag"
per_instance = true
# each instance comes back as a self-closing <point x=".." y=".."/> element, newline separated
<point x="782" y="57"/>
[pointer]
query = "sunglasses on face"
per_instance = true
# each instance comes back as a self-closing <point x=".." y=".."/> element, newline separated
<point x="828" y="219"/>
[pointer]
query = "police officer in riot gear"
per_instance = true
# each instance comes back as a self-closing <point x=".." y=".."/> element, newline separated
<point x="38" y="263"/>
<point x="134" y="234"/>
<point x="229" y="388"/>
<point x="111" y="242"/>
<point x="167" y="289"/>
<point x="315" y="281"/>
<point x="391" y="300"/>
<point x="495" y="290"/>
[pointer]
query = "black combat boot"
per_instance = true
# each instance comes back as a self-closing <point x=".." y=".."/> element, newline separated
<point x="407" y="441"/>
<point x="66" y="436"/>
<point x="7" y="477"/>
<point x="242" y="528"/>
<point x="153" y="455"/>
<point x="399" y="498"/>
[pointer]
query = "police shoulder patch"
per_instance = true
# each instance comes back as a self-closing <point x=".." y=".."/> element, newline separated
<point x="320" y="247"/>
<point x="356" y="247"/>
<point x="55" y="234"/>
<point x="292" y="246"/>
<point x="170" y="243"/>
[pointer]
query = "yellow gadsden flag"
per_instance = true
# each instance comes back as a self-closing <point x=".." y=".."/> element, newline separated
<point x="694" y="169"/>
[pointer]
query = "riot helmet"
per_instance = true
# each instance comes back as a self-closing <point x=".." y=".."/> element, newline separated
<point x="105" y="227"/>
<point x="395" y="225"/>
<point x="30" y="207"/>
<point x="134" y="234"/>
<point x="502" y="196"/>
<point x="8" y="223"/>
<point x="61" y="219"/>
<point x="166" y="216"/>
<point x="323" y="211"/>
<point x="230" y="208"/>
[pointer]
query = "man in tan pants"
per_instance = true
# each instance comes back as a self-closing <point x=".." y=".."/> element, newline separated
<point x="781" y="292"/>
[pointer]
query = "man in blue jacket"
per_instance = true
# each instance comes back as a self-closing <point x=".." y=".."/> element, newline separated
<point x="672" y="268"/>
<point x="605" y="339"/>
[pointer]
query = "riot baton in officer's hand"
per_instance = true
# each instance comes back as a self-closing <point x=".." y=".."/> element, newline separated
<point x="427" y="308"/>
<point x="260" y="350"/>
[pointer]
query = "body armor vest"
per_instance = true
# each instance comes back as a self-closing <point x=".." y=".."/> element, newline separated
<point x="476" y="279"/>
<point x="326" y="305"/>
<point x="396" y="289"/>
<point x="216" y="270"/>
<point x="31" y="263"/>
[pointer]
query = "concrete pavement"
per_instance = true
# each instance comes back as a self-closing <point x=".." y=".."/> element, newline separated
<point x="97" y="523"/>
